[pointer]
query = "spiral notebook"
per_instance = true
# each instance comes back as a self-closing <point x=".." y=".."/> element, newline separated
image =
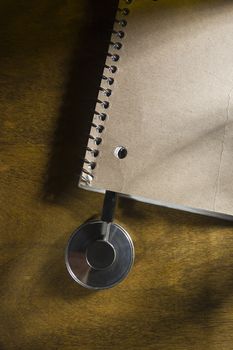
<point x="162" y="131"/>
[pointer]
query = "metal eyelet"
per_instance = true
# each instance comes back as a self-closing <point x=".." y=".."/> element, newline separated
<point x="97" y="140"/>
<point x="101" y="116"/>
<point x="94" y="152"/>
<point x="121" y="22"/>
<point x="106" y="92"/>
<point x="111" y="69"/>
<point x="104" y="104"/>
<point x="124" y="11"/>
<point x="87" y="179"/>
<point x="87" y="172"/>
<point x="91" y="165"/>
<point x="99" y="128"/>
<point x="114" y="57"/>
<point x="116" y="46"/>
<point x="109" y="80"/>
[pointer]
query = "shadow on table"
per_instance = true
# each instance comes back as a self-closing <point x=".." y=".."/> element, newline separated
<point x="78" y="104"/>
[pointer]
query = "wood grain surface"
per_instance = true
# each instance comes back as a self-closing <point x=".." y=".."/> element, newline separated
<point x="179" y="294"/>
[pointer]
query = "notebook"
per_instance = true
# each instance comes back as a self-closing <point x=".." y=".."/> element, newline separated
<point x="162" y="131"/>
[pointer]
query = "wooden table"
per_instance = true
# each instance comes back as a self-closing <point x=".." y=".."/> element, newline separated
<point x="179" y="294"/>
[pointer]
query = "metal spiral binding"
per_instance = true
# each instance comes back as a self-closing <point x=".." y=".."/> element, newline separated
<point x="92" y="152"/>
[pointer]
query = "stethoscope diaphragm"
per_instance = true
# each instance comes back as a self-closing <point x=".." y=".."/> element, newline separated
<point x="99" y="254"/>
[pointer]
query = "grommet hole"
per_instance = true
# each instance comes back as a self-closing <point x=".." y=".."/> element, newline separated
<point x="120" y="152"/>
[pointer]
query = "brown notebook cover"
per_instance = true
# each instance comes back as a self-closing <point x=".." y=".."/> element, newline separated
<point x="170" y="107"/>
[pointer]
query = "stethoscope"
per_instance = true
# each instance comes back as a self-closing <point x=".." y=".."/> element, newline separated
<point x="100" y="253"/>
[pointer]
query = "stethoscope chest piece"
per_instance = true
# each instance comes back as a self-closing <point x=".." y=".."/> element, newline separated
<point x="99" y="254"/>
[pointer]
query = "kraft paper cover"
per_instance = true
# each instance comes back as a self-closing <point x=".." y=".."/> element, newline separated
<point x="171" y="106"/>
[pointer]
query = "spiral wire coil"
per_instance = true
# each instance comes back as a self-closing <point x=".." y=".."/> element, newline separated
<point x="97" y="127"/>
